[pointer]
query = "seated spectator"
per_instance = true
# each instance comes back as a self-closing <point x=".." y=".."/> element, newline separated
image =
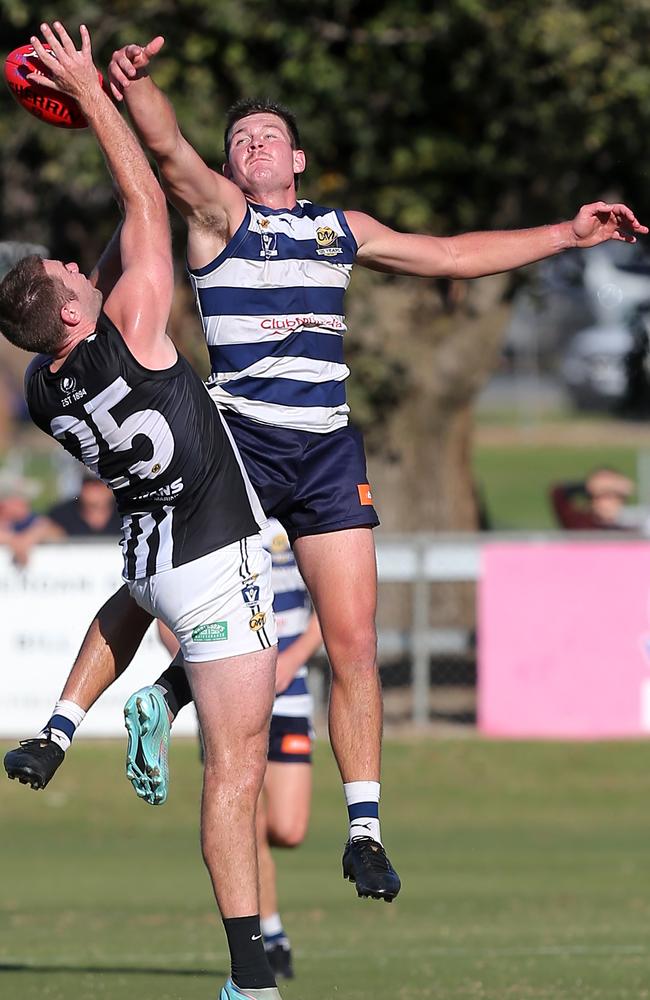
<point x="92" y="514"/>
<point x="16" y="495"/>
<point x="597" y="504"/>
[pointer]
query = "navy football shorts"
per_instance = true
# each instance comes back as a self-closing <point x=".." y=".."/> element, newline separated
<point x="312" y="483"/>
<point x="290" y="740"/>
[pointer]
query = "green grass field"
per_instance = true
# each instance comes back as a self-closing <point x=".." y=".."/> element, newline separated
<point x="526" y="871"/>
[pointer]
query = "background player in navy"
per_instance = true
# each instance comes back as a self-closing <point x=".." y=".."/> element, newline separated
<point x="112" y="388"/>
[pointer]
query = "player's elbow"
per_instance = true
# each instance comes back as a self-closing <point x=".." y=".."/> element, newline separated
<point x="148" y="202"/>
<point x="155" y="200"/>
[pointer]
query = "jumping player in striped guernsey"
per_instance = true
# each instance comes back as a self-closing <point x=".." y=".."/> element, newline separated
<point x="270" y="273"/>
<point x="112" y="389"/>
<point x="284" y="804"/>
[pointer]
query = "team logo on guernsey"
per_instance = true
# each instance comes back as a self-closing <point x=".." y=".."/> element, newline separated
<point x="213" y="632"/>
<point x="269" y="245"/>
<point x="257" y="621"/>
<point x="328" y="242"/>
<point x="68" y="387"/>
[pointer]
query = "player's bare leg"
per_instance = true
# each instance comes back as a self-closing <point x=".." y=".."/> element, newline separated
<point x="233" y="699"/>
<point x="340" y="571"/>
<point x="107" y="649"/>
<point x="287" y="794"/>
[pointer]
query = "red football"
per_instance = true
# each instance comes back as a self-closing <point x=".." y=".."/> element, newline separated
<point x="48" y="105"/>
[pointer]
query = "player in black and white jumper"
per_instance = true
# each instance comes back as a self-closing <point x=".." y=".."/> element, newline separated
<point x="110" y="386"/>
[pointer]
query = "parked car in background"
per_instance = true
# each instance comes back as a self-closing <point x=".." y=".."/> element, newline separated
<point x="586" y="316"/>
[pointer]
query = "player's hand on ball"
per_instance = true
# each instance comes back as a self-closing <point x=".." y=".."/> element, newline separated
<point x="130" y="63"/>
<point x="601" y="221"/>
<point x="69" y="70"/>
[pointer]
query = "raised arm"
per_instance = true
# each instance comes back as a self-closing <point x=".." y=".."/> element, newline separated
<point x="212" y="206"/>
<point x="473" y="255"/>
<point x="140" y="300"/>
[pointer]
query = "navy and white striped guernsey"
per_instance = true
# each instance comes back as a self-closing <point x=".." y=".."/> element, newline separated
<point x="271" y="305"/>
<point x="292" y="610"/>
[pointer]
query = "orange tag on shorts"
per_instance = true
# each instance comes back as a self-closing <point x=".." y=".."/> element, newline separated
<point x="365" y="496"/>
<point x="295" y="743"/>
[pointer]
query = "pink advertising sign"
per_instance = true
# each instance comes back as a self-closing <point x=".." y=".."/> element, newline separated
<point x="564" y="640"/>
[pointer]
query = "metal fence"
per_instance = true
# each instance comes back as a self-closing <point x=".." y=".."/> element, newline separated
<point x="426" y="629"/>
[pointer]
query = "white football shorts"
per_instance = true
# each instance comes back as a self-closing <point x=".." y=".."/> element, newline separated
<point x="217" y="606"/>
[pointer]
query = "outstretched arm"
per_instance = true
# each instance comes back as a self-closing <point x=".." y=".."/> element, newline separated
<point x="212" y="205"/>
<point x="473" y="255"/>
<point x="111" y="642"/>
<point x="140" y="301"/>
<point x="301" y="650"/>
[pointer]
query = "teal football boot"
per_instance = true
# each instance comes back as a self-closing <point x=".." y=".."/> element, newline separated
<point x="232" y="992"/>
<point x="147" y="723"/>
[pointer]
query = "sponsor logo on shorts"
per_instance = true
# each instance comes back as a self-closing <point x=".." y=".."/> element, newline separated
<point x="295" y="743"/>
<point x="213" y="632"/>
<point x="365" y="495"/>
<point x="251" y="594"/>
<point x="257" y="621"/>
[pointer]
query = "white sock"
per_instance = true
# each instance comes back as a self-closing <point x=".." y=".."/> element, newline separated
<point x="362" y="798"/>
<point x="63" y="722"/>
<point x="272" y="929"/>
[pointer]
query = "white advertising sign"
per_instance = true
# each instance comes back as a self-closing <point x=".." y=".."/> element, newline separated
<point x="45" y="610"/>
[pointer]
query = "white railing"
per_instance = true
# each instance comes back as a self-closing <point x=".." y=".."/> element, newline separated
<point x="46" y="607"/>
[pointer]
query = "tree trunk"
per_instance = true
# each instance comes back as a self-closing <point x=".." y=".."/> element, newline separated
<point x="448" y="343"/>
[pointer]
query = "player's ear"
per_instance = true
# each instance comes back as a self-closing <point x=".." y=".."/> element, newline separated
<point x="71" y="312"/>
<point x="226" y="171"/>
<point x="299" y="161"/>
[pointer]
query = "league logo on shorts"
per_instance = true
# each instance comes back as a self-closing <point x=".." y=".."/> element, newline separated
<point x="251" y="594"/>
<point x="257" y="621"/>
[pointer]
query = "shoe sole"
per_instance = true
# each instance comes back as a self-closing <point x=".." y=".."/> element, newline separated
<point x="387" y="897"/>
<point x="26" y="777"/>
<point x="143" y="718"/>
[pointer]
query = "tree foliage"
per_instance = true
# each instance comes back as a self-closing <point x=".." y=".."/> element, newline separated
<point x="433" y="117"/>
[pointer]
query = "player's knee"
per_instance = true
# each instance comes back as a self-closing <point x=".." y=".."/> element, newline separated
<point x="287" y="835"/>
<point x="355" y="648"/>
<point x="231" y="779"/>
